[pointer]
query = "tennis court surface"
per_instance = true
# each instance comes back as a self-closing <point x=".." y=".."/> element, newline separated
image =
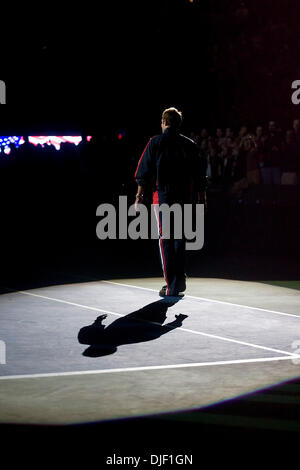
<point x="102" y="350"/>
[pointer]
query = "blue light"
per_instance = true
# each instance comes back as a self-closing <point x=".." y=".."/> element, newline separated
<point x="6" y="141"/>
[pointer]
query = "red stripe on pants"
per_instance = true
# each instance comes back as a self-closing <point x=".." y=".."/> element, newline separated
<point x="162" y="250"/>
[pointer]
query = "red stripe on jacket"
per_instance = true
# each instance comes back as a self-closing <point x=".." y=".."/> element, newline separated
<point x="140" y="160"/>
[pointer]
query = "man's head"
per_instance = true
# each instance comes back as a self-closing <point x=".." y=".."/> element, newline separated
<point x="171" y="117"/>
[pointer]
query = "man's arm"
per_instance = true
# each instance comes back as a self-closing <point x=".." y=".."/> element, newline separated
<point x="139" y="197"/>
<point x="144" y="173"/>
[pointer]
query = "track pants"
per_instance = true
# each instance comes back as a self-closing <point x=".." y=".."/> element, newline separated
<point x="172" y="254"/>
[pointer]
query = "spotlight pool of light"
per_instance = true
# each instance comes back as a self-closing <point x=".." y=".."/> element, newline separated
<point x="229" y="344"/>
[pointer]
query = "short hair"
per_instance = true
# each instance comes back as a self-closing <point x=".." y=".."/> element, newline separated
<point x="172" y="117"/>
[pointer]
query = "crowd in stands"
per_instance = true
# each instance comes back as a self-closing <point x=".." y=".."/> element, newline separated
<point x="234" y="161"/>
<point x="266" y="156"/>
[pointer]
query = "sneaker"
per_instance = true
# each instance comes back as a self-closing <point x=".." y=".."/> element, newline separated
<point x="182" y="286"/>
<point x="163" y="293"/>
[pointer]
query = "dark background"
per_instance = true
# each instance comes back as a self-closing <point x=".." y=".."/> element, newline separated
<point x="222" y="62"/>
<point x="114" y="66"/>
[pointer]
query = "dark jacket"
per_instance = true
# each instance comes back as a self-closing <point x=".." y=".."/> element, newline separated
<point x="172" y="168"/>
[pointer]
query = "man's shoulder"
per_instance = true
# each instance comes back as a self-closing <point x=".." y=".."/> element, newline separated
<point x="155" y="142"/>
<point x="187" y="140"/>
<point x="156" y="138"/>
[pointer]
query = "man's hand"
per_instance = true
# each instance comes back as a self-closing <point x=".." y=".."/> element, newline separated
<point x="139" y="199"/>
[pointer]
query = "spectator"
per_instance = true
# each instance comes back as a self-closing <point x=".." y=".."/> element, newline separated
<point x="242" y="133"/>
<point x="260" y="135"/>
<point x="230" y="143"/>
<point x="239" y="179"/>
<point x="204" y="134"/>
<point x="272" y="156"/>
<point x="203" y="149"/>
<point x="260" y="138"/>
<point x="212" y="164"/>
<point x="229" y="133"/>
<point x="296" y="128"/>
<point x="226" y="167"/>
<point x="250" y="151"/>
<point x="290" y="159"/>
<point x="259" y="131"/>
<point x="192" y="135"/>
<point x="220" y="139"/>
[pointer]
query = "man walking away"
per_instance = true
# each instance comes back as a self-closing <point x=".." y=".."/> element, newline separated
<point x="171" y="168"/>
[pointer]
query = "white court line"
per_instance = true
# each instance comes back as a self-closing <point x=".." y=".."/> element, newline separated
<point x="136" y="369"/>
<point x="206" y="300"/>
<point x="222" y="338"/>
<point x="96" y="309"/>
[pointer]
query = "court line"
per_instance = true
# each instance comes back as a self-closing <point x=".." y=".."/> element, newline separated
<point x="207" y="300"/>
<point x="209" y="335"/>
<point x="145" y="368"/>
<point x="95" y="309"/>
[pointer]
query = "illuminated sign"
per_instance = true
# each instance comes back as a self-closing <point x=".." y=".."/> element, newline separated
<point x="55" y="140"/>
<point x="7" y="140"/>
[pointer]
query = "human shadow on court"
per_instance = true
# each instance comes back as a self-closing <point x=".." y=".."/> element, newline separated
<point x="142" y="325"/>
